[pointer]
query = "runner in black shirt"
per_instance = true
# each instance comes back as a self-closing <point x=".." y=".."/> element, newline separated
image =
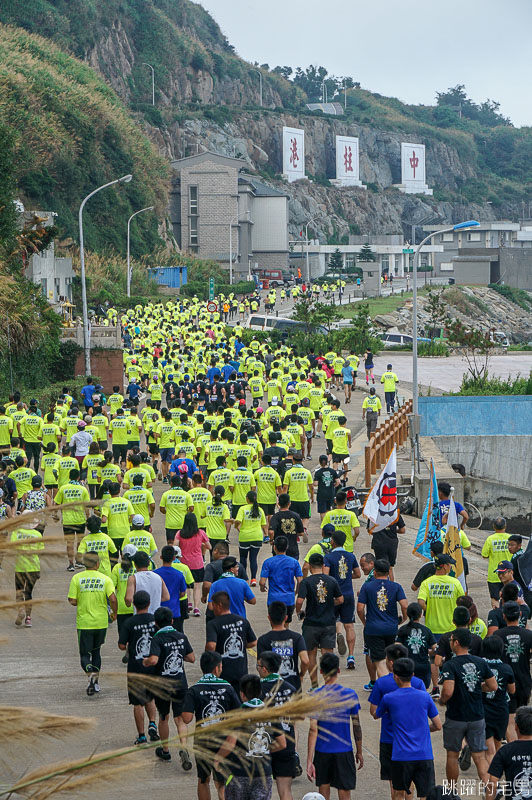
<point x="326" y="481"/>
<point x="275" y="690"/>
<point x="418" y="639"/>
<point x="214" y="570"/>
<point x="206" y="701"/>
<point x="286" y="523"/>
<point x="135" y="636"/>
<point x="289" y="645"/>
<point x="277" y="453"/>
<point x="496" y="704"/>
<point x="444" y="651"/>
<point x="428" y="569"/>
<point x="514" y="761"/>
<point x="495" y="617"/>
<point x="517" y="644"/>
<point x="231" y="636"/>
<point x="169" y="650"/>
<point x="385" y="543"/>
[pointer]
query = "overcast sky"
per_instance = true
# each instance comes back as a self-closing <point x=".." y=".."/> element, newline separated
<point x="408" y="49"/>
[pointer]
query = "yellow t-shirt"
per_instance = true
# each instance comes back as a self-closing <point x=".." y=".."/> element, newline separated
<point x="251" y="527"/>
<point x="6" y="430"/>
<point x="440" y="593"/>
<point x="495" y="548"/>
<point x="298" y="479"/>
<point x="92" y="464"/>
<point x="119" y="578"/>
<point x="372" y="403"/>
<point x="267" y="481"/>
<point x="117" y="513"/>
<point x="91" y="590"/>
<point x="99" y="543"/>
<point x="143" y="540"/>
<point x="71" y="493"/>
<point x="50" y="467"/>
<point x="215" y="517"/>
<point x="176" y="502"/>
<point x="140" y="499"/>
<point x="389" y="379"/>
<point x="343" y="520"/>
<point x="27" y="560"/>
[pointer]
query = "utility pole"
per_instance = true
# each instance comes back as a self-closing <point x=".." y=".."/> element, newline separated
<point x="144" y="64"/>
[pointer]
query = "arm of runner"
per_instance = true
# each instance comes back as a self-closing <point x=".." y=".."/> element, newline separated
<point x="311" y="748"/>
<point x="357" y="735"/>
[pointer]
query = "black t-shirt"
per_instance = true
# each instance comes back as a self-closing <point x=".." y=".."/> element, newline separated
<point x="278" y="692"/>
<point x="210" y="697"/>
<point x="418" y="639"/>
<point x="319" y="591"/>
<point x="514" y="761"/>
<point x="389" y="534"/>
<point x="171" y="647"/>
<point x="277" y="454"/>
<point x="289" y="524"/>
<point x="214" y="569"/>
<point x="468" y="672"/>
<point x="517" y="644"/>
<point x="288" y="644"/>
<point x="251" y="757"/>
<point x="137" y="632"/>
<point x="426" y="571"/>
<point x="231" y="633"/>
<point x="325" y="477"/>
<point x="495" y="617"/>
<point x="444" y="645"/>
<point x="496" y="703"/>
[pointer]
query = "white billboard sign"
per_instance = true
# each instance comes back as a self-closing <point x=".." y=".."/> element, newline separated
<point x="413" y="178"/>
<point x="293" y="154"/>
<point x="347" y="161"/>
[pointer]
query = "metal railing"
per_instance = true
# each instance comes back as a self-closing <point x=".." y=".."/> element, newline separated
<point x="392" y="432"/>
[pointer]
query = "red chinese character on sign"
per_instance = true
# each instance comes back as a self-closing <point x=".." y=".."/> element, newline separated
<point x="294" y="155"/>
<point x="414" y="162"/>
<point x="348" y="159"/>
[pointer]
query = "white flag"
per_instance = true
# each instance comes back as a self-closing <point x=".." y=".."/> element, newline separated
<point x="381" y="503"/>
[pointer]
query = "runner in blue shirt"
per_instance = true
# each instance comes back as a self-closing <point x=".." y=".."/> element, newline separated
<point x="175" y="583"/>
<point x="409" y="710"/>
<point x="237" y="589"/>
<point x="343" y="566"/>
<point x="283" y="575"/>
<point x="382" y="687"/>
<point x="377" y="610"/>
<point x="330" y="760"/>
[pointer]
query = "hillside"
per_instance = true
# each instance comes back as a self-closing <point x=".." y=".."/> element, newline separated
<point x="73" y="134"/>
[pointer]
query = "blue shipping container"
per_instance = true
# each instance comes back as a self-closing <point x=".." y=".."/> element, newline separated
<point x="173" y="277"/>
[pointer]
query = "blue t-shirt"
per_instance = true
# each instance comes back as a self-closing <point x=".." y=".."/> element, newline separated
<point x="176" y="585"/>
<point x="238" y="591"/>
<point x="334" y="734"/>
<point x="133" y="390"/>
<point x="444" y="506"/>
<point x="211" y="372"/>
<point x="382" y="687"/>
<point x="347" y="374"/>
<point x="87" y="393"/>
<point x="381" y="597"/>
<point x="281" y="570"/>
<point x="408" y="710"/>
<point x="227" y="370"/>
<point x="341" y="565"/>
<point x="191" y="465"/>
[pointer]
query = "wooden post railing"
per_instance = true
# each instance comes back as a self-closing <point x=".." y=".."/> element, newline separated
<point x="393" y="432"/>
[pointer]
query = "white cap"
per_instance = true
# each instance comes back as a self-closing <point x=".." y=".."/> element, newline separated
<point x="275" y="400"/>
<point x="129" y="550"/>
<point x="138" y="519"/>
<point x="313" y="796"/>
<point x="177" y="550"/>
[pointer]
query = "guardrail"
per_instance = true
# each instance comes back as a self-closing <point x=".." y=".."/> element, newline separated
<point x="392" y="432"/>
<point x="104" y="336"/>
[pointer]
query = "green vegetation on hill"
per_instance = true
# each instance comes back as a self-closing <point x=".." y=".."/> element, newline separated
<point x="72" y="134"/>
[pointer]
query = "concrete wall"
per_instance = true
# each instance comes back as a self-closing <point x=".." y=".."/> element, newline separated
<point x="476" y="416"/>
<point x="107" y="365"/>
<point x="516" y="267"/>
<point x="472" y="273"/>
<point x="494" y="500"/>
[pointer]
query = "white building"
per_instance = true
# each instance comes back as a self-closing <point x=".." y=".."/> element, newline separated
<point x="53" y="274"/>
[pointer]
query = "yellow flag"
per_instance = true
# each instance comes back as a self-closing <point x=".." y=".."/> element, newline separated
<point x="452" y="546"/>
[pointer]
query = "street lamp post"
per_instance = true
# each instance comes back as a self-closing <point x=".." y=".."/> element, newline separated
<point x="415" y="391"/>
<point x="85" y="312"/>
<point x="259" y="73"/>
<point x="128" y="277"/>
<point x="310" y="222"/>
<point x="144" y="64"/>
<point x="233" y="222"/>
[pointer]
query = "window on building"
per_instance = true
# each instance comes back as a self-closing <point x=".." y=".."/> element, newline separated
<point x="447" y="237"/>
<point x="68" y="289"/>
<point x="44" y="287"/>
<point x="193" y="228"/>
<point x="385" y="262"/>
<point x="57" y="287"/>
<point x="446" y="266"/>
<point x="193" y="217"/>
<point x="193" y="201"/>
<point x="424" y="260"/>
<point x="474" y="236"/>
<point x="349" y="260"/>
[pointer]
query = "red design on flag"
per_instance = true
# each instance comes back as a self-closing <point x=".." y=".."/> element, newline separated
<point x="414" y="162"/>
<point x="380" y="507"/>
<point x="348" y="159"/>
<point x="389" y="495"/>
<point x="294" y="155"/>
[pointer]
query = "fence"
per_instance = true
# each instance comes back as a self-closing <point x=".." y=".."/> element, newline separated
<point x="393" y="432"/>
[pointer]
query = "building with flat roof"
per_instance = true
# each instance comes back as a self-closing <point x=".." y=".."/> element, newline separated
<point x="52" y="273"/>
<point x="220" y="211"/>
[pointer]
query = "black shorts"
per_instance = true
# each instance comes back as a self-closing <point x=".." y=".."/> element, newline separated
<point x="385" y="758"/>
<point x="137" y="694"/>
<point x="131" y="445"/>
<point x="345" y="612"/>
<point x="90" y="639"/>
<point x="385" y="550"/>
<point x="419" y="773"/>
<point x="377" y="645"/>
<point x="50" y="485"/>
<point x="71" y="530"/>
<point x="496" y="727"/>
<point x="198" y="575"/>
<point x="339" y="457"/>
<point x="153" y="449"/>
<point x="301" y="507"/>
<point x="234" y="510"/>
<point x="520" y="698"/>
<point x="119" y="452"/>
<point x="495" y="590"/>
<point x="268" y="508"/>
<point x="329" y="444"/>
<point x="336" y="769"/>
<point x="284" y="764"/>
<point x="324" y="505"/>
<point x="204" y="767"/>
<point x="174" y="699"/>
<point x="170" y="534"/>
<point x="319" y="637"/>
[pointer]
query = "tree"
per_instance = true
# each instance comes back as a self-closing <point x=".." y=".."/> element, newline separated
<point x="304" y="311"/>
<point x="325" y="314"/>
<point x="359" y="336"/>
<point x="476" y="348"/>
<point x="8" y="214"/>
<point x="366" y="253"/>
<point x="284" y="72"/>
<point x="336" y="261"/>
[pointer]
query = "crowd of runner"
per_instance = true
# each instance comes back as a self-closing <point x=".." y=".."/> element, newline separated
<point x="226" y="428"/>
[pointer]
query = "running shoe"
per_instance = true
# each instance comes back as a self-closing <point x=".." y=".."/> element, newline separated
<point x="153" y="733"/>
<point x="96" y="685"/>
<point x="186" y="763"/>
<point x="20" y="617"/>
<point x="90" y="688"/>
<point x="197" y="612"/>
<point x="464" y="759"/>
<point x="141" y="739"/>
<point x="369" y="686"/>
<point x="298" y="768"/>
<point x="189" y="607"/>
<point x="71" y="568"/>
<point x="435" y="694"/>
<point x="27" y="622"/>
<point x="340" y="643"/>
<point x="351" y="662"/>
<point x="77" y="565"/>
<point x="125" y="659"/>
<point x="164" y="756"/>
<point x="253" y="582"/>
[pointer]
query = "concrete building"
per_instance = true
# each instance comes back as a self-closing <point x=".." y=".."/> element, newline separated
<point x="221" y="212"/>
<point x="53" y="274"/>
<point x="392" y="255"/>
<point x="494" y="251"/>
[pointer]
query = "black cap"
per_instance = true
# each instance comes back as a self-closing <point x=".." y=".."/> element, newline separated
<point x="439" y="561"/>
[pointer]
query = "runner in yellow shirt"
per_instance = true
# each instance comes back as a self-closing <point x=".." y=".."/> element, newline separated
<point x="390" y="381"/>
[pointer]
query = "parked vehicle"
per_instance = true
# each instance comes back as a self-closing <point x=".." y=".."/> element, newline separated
<point x="272" y="278"/>
<point x="398" y="339"/>
<point x="266" y="322"/>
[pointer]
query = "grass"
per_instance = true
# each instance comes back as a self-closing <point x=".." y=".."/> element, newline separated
<point x="379" y="305"/>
